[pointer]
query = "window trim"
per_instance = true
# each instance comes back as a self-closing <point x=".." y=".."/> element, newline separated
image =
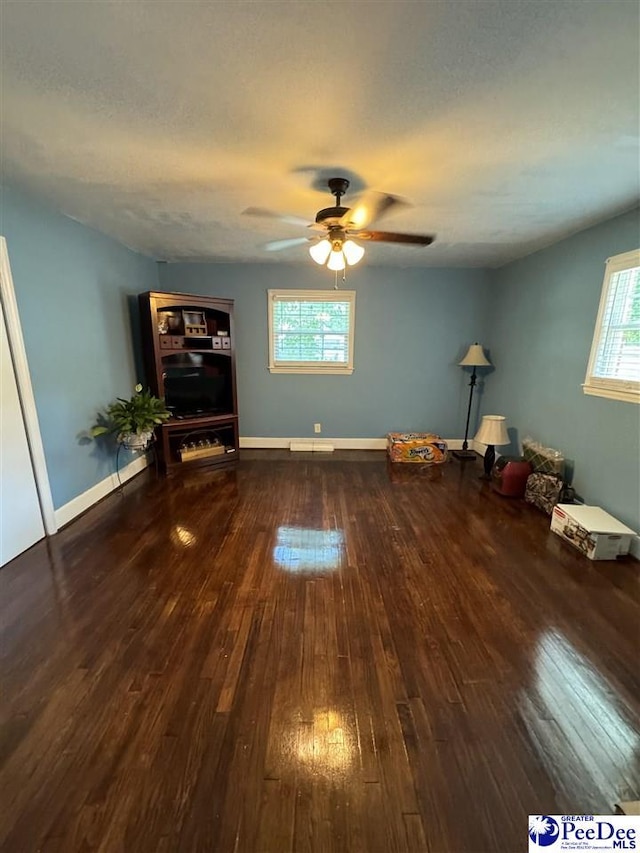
<point x="331" y="368"/>
<point x="626" y="390"/>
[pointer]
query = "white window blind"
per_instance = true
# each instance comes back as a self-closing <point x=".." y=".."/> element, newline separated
<point x="614" y="365"/>
<point x="311" y="331"/>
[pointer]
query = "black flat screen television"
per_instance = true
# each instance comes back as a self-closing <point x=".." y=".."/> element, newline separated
<point x="192" y="391"/>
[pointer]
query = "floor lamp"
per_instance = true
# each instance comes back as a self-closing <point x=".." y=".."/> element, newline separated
<point x="475" y="357"/>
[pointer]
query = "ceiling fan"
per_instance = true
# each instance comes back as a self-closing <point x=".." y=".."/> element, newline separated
<point x="342" y="226"/>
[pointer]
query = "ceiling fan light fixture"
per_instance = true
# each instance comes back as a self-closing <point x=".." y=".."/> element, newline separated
<point x="320" y="251"/>
<point x="336" y="260"/>
<point x="352" y="252"/>
<point x="336" y="249"/>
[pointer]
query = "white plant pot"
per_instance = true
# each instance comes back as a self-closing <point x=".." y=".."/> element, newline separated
<point x="135" y="441"/>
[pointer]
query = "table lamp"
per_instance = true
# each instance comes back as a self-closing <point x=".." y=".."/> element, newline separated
<point x="475" y="357"/>
<point x="492" y="432"/>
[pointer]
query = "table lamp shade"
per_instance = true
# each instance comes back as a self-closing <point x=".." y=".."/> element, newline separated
<point x="475" y="357"/>
<point x="493" y="430"/>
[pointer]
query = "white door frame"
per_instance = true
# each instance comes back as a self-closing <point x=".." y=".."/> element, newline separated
<point x="25" y="390"/>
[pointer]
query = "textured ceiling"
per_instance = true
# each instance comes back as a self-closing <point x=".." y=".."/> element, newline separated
<point x="507" y="124"/>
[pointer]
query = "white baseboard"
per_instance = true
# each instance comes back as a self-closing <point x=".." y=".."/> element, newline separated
<point x="83" y="502"/>
<point x="285" y="443"/>
<point x="266" y="443"/>
<point x="359" y="443"/>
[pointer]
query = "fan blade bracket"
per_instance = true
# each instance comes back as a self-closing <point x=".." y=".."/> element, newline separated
<point x="393" y="237"/>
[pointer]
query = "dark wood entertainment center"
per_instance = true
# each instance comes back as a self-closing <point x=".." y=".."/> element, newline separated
<point x="189" y="354"/>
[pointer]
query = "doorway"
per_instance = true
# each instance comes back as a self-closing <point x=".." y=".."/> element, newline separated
<point x="26" y="507"/>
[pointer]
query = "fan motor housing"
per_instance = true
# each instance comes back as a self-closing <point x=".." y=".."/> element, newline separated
<point x="328" y="213"/>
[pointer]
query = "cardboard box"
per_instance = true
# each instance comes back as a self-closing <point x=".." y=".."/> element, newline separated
<point x="416" y="447"/>
<point x="591" y="530"/>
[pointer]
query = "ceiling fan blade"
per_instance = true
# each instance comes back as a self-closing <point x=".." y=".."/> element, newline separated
<point x="272" y="214"/>
<point x="370" y="207"/>
<point x="278" y="245"/>
<point x="393" y="237"/>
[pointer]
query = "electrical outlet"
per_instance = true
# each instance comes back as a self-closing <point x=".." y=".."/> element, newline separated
<point x="317" y="427"/>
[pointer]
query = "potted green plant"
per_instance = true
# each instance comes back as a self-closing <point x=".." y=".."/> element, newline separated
<point x="133" y="420"/>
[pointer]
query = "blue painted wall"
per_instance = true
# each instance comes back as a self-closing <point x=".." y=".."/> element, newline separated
<point x="412" y="327"/>
<point x="76" y="294"/>
<point x="541" y="332"/>
<point x="72" y="286"/>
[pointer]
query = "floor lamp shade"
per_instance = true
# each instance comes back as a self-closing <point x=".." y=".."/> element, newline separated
<point x="474" y="358"/>
<point x="492" y="432"/>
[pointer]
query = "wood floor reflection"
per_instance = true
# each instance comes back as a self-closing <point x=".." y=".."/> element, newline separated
<point x="312" y="653"/>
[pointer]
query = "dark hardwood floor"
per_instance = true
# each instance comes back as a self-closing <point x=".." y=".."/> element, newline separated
<point x="312" y="653"/>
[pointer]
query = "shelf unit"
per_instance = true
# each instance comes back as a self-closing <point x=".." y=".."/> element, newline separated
<point x="189" y="353"/>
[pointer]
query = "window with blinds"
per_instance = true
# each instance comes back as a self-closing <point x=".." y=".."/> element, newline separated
<point x="614" y="364"/>
<point x="311" y="331"/>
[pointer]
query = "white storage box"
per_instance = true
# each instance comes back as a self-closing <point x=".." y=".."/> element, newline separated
<point x="592" y="530"/>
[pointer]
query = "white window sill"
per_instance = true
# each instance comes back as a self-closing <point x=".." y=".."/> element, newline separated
<point x="612" y="393"/>
<point x="342" y="371"/>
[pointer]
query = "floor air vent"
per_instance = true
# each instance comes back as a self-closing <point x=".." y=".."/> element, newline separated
<point x="308" y="445"/>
